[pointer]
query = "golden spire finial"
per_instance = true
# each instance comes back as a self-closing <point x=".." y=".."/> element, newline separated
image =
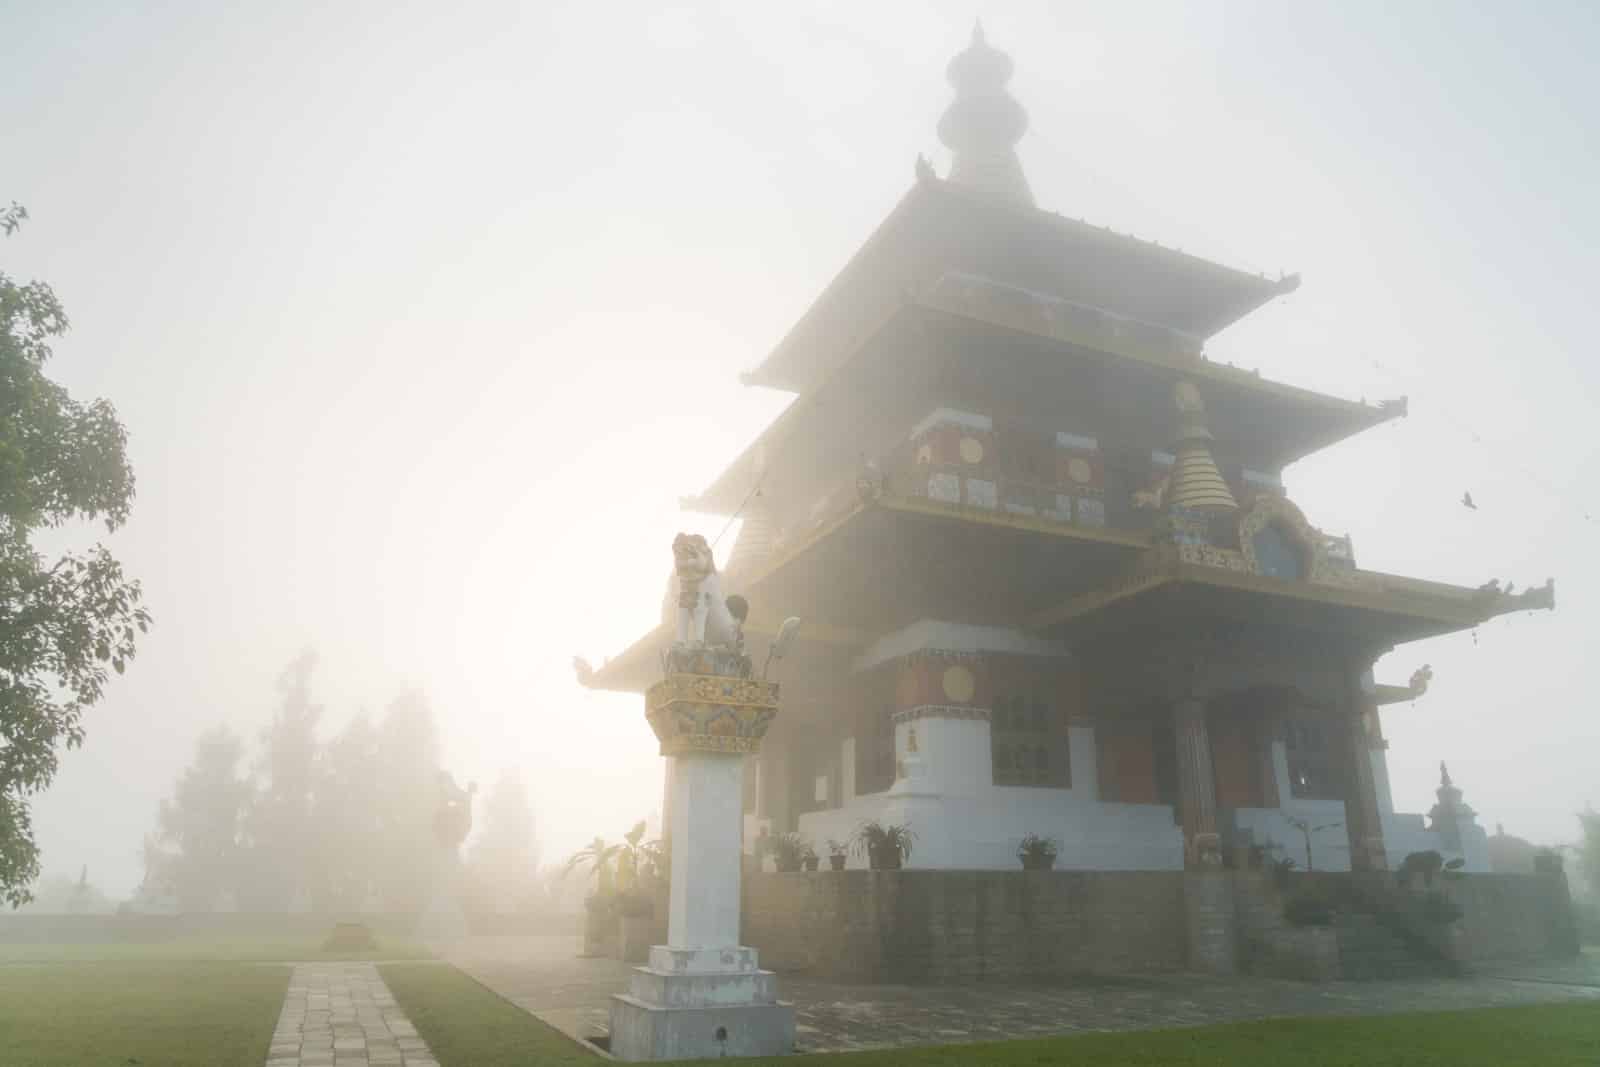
<point x="1195" y="482"/>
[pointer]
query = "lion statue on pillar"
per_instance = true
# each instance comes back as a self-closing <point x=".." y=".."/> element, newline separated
<point x="705" y="617"/>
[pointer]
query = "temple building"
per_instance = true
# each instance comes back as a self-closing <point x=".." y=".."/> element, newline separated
<point x="1051" y="580"/>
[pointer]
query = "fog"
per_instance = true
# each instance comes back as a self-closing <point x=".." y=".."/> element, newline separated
<point x="422" y="319"/>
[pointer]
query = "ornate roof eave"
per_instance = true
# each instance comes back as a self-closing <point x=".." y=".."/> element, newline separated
<point x="729" y="489"/>
<point x="1435" y="607"/>
<point x="787" y="366"/>
<point x="638" y="665"/>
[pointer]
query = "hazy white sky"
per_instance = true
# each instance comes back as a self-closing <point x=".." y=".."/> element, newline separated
<point x="422" y="317"/>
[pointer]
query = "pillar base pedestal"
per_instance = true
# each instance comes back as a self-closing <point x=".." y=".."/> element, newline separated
<point x="700" y="1004"/>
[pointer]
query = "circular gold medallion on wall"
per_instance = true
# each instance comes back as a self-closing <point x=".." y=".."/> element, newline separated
<point x="959" y="684"/>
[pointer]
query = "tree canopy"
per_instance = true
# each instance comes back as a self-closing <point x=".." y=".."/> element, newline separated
<point x="1589" y="850"/>
<point x="340" y="823"/>
<point x="64" y="623"/>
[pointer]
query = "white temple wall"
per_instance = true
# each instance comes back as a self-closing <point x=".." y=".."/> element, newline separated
<point x="1330" y="848"/>
<point x="1403" y="832"/>
<point x="982" y="832"/>
<point x="964" y="821"/>
<point x="945" y="789"/>
<point x="952" y="756"/>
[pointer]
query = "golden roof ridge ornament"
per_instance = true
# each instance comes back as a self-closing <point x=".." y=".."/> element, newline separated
<point x="983" y="124"/>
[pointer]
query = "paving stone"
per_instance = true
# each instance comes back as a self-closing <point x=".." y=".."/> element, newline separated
<point x="342" y="1015"/>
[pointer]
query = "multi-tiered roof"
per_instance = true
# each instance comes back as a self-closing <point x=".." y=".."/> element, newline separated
<point x="1103" y="468"/>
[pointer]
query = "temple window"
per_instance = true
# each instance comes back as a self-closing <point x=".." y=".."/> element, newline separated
<point x="1028" y="740"/>
<point x="1311" y="769"/>
<point x="1277" y="555"/>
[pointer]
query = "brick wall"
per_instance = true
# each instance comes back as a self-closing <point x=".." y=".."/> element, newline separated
<point x="942" y="926"/>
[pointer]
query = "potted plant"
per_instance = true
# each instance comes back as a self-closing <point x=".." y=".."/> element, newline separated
<point x="1037" y="853"/>
<point x="837" y="853"/>
<point x="886" y="847"/>
<point x="809" y="858"/>
<point x="600" y="907"/>
<point x="788" y="852"/>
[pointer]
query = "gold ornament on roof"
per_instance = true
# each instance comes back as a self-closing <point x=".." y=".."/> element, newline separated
<point x="1195" y="483"/>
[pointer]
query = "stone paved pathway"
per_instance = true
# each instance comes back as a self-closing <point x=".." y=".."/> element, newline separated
<point x="543" y="975"/>
<point x="342" y="1015"/>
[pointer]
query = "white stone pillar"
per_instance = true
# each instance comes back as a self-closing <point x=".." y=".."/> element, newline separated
<point x="666" y="800"/>
<point x="707" y="815"/>
<point x="702" y="994"/>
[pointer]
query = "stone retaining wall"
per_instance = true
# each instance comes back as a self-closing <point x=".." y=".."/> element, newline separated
<point x="940" y="926"/>
<point x="1512" y="916"/>
<point x="947" y="926"/>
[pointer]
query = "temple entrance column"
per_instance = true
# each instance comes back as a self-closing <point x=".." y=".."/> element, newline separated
<point x="1362" y="817"/>
<point x="1197" y="791"/>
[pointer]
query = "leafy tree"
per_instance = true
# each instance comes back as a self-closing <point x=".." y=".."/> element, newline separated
<point x="408" y="798"/>
<point x="61" y="895"/>
<point x="62" y="623"/>
<point x="282" y="826"/>
<point x="199" y="843"/>
<point x="505" y="858"/>
<point x="346" y="808"/>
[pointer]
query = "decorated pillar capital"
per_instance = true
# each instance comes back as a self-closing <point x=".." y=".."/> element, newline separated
<point x="708" y="713"/>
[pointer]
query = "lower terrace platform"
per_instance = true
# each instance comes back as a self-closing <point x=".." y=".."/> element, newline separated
<point x="543" y="975"/>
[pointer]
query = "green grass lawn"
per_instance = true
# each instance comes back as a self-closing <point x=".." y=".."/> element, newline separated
<point x="1549" y="1035"/>
<point x="193" y="1000"/>
<point x="466" y="1025"/>
<point x="121" y="1014"/>
<point x="258" y="948"/>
